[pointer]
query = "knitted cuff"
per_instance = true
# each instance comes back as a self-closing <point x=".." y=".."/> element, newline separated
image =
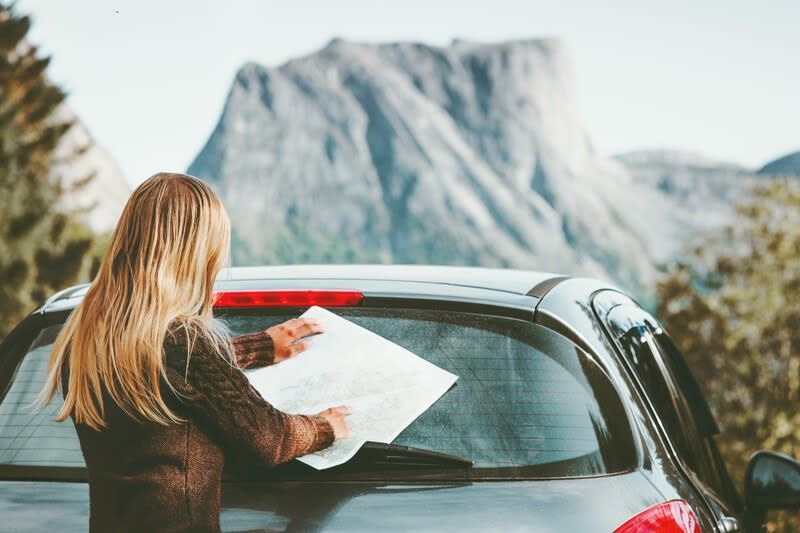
<point x="325" y="435"/>
<point x="253" y="350"/>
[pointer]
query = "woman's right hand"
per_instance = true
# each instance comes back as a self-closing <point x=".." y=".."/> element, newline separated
<point x="335" y="417"/>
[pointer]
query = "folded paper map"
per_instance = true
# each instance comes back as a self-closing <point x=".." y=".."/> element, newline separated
<point x="387" y="386"/>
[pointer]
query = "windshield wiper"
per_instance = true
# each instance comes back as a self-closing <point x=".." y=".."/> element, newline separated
<point x="394" y="455"/>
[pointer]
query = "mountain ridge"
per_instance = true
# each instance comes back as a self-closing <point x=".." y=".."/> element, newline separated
<point x="471" y="153"/>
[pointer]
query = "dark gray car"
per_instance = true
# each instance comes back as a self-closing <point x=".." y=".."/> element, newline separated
<point x="573" y="412"/>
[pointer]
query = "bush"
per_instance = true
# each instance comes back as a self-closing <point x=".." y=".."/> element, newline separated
<point x="733" y="309"/>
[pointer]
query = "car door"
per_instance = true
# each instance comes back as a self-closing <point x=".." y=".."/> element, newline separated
<point x="677" y="402"/>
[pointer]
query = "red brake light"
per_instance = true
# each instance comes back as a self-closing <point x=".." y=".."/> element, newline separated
<point x="669" y="517"/>
<point x="288" y="298"/>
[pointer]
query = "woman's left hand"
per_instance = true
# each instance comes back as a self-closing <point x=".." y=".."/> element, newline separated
<point x="283" y="335"/>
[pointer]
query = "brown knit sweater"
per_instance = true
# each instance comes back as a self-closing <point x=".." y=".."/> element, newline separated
<point x="148" y="477"/>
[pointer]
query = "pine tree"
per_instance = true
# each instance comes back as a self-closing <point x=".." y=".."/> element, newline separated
<point x="43" y="247"/>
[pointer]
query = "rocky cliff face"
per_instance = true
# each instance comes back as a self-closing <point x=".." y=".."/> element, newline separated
<point x="465" y="154"/>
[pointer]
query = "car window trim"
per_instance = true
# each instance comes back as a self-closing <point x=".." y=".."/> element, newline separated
<point x="702" y="441"/>
<point x="614" y="333"/>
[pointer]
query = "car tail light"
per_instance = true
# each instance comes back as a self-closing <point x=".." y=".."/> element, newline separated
<point x="288" y="298"/>
<point x="669" y="517"/>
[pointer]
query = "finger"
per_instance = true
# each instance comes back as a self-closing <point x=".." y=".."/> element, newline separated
<point x="307" y="327"/>
<point x="316" y="325"/>
<point x="279" y="331"/>
<point x="292" y="323"/>
<point x="295" y="349"/>
<point x="343" y="410"/>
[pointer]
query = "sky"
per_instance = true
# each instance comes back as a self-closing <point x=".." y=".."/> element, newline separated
<point x="149" y="77"/>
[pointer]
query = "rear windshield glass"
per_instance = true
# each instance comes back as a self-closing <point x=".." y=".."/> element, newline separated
<point x="528" y="403"/>
<point x="35" y="439"/>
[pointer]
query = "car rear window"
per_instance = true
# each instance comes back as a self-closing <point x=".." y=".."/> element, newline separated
<point x="528" y="403"/>
<point x="35" y="439"/>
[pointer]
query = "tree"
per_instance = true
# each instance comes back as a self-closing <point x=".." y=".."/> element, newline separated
<point x="42" y="246"/>
<point x="732" y="308"/>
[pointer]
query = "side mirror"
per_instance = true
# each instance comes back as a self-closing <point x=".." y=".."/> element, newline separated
<point x="772" y="481"/>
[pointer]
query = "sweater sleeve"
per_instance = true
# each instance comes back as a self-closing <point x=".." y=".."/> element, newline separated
<point x="253" y="350"/>
<point x="220" y="398"/>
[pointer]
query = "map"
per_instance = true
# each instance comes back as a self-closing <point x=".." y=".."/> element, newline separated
<point x="387" y="386"/>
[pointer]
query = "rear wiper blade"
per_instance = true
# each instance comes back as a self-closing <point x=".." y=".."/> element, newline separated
<point x="378" y="453"/>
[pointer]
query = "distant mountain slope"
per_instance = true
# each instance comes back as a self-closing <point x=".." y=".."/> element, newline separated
<point x="78" y="156"/>
<point x="700" y="191"/>
<point x="788" y="165"/>
<point x="467" y="154"/>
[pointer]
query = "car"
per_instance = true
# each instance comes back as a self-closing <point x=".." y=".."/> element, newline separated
<point x="573" y="411"/>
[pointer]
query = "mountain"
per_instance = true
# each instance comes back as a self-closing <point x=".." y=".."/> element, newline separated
<point x="77" y="157"/>
<point x="700" y="191"/>
<point x="464" y="154"/>
<point x="788" y="165"/>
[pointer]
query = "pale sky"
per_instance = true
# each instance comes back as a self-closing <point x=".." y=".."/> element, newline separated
<point x="149" y="77"/>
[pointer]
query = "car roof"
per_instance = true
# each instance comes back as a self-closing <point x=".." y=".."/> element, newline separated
<point x="497" y="279"/>
<point x="511" y="288"/>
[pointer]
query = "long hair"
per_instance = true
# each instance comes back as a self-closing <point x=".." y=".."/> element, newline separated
<point x="172" y="239"/>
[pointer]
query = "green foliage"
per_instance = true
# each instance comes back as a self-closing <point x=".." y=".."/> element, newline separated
<point x="733" y="310"/>
<point x="42" y="247"/>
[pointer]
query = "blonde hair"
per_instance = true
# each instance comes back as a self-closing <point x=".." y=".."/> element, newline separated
<point x="172" y="239"/>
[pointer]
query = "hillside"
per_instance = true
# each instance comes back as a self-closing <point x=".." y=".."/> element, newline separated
<point x="78" y="156"/>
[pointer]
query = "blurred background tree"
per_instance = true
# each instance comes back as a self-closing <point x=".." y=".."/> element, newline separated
<point x="732" y="308"/>
<point x="43" y="247"/>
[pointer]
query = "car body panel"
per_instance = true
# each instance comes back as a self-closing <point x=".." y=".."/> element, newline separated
<point x="619" y="313"/>
<point x="425" y="279"/>
<point x="507" y="280"/>
<point x="44" y="506"/>
<point x="568" y="308"/>
<point x="545" y="506"/>
<point x="479" y="288"/>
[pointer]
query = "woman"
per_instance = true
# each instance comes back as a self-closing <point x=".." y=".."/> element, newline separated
<point x="154" y="383"/>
